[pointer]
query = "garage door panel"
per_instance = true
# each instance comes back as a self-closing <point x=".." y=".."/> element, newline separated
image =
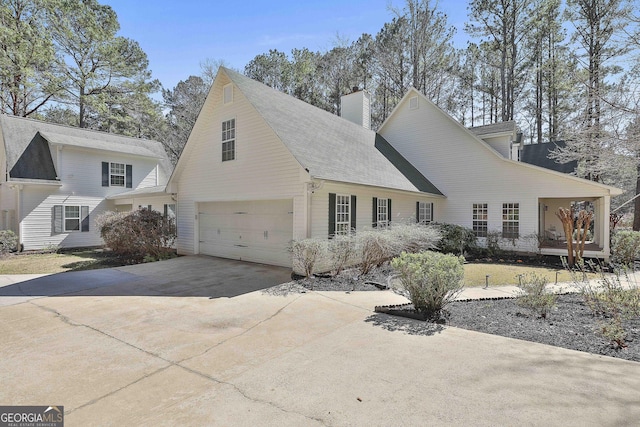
<point x="257" y="231"/>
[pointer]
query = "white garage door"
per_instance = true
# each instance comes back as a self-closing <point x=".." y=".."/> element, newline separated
<point x="258" y="231"/>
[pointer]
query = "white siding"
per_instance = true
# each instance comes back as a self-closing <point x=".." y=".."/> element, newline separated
<point x="468" y="172"/>
<point x="403" y="206"/>
<point x="263" y="168"/>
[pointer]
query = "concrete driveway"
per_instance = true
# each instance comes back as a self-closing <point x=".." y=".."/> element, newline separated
<point x="170" y="355"/>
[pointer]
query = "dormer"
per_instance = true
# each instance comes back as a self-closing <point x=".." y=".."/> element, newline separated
<point x="502" y="137"/>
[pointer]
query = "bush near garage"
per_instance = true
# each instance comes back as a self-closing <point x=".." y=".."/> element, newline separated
<point x="140" y="235"/>
<point x="8" y="242"/>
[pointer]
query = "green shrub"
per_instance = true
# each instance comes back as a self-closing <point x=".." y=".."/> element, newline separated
<point x="534" y="296"/>
<point x="625" y="247"/>
<point x="456" y="239"/>
<point x="306" y="253"/>
<point x="8" y="242"/>
<point x="430" y="280"/>
<point x="138" y="235"/>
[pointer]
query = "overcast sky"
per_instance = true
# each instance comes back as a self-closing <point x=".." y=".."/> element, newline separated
<point x="178" y="35"/>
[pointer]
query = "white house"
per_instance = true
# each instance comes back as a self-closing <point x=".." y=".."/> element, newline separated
<point x="261" y="168"/>
<point x="55" y="179"/>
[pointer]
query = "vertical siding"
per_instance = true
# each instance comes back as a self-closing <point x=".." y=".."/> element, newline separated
<point x="468" y="172"/>
<point x="263" y="168"/>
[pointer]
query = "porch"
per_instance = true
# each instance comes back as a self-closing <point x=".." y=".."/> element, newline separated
<point x="552" y="239"/>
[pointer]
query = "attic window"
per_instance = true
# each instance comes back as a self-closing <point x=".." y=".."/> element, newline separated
<point x="413" y="103"/>
<point x="227" y="94"/>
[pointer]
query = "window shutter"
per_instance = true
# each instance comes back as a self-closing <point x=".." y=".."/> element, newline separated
<point x="129" y="177"/>
<point x="166" y="210"/>
<point x="84" y="214"/>
<point x="431" y="210"/>
<point x="105" y="174"/>
<point x="374" y="213"/>
<point x="332" y="214"/>
<point x="389" y="211"/>
<point x="353" y="213"/>
<point x="417" y="211"/>
<point x="56" y="223"/>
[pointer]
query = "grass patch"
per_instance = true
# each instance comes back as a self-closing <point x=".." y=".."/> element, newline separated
<point x="507" y="274"/>
<point x="72" y="260"/>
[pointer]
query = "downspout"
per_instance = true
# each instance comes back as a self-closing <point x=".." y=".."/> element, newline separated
<point x="19" y="188"/>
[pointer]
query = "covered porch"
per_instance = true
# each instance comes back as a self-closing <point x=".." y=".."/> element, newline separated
<point x="552" y="238"/>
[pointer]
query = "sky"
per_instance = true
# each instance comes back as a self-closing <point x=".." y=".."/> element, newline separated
<point x="177" y="35"/>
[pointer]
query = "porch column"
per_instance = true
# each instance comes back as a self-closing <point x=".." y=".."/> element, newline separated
<point x="606" y="209"/>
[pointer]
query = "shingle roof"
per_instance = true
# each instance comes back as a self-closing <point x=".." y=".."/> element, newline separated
<point x="538" y="154"/>
<point x="19" y="132"/>
<point x="508" y="126"/>
<point x="328" y="146"/>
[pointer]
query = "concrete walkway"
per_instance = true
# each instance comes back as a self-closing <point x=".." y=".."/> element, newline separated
<point x="278" y="357"/>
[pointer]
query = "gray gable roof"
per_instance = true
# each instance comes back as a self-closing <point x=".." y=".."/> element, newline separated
<point x="20" y="134"/>
<point x="538" y="154"/>
<point x="327" y="146"/>
<point x="508" y="126"/>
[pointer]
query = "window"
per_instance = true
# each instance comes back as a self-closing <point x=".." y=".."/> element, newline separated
<point x="117" y="175"/>
<point x="381" y="212"/>
<point x="170" y="211"/>
<point x="343" y="214"/>
<point x="424" y="212"/>
<point x="480" y="219"/>
<point x="70" y="218"/>
<point x="511" y="220"/>
<point x="229" y="140"/>
<point x="227" y="94"/>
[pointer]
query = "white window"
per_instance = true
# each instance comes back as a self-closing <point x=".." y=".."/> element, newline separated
<point x="425" y="212"/>
<point x="71" y="218"/>
<point x="382" y="217"/>
<point x="229" y="140"/>
<point x="117" y="174"/>
<point x="480" y="219"/>
<point x="510" y="220"/>
<point x="343" y="214"/>
<point x="413" y="103"/>
<point x="227" y="94"/>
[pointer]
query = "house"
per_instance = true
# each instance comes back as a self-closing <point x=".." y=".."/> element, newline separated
<point x="261" y="168"/>
<point x="538" y="154"/>
<point x="56" y="179"/>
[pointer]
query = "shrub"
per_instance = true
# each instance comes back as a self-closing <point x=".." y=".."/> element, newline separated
<point x="534" y="296"/>
<point x="374" y="247"/>
<point x="138" y="235"/>
<point x="456" y="239"/>
<point x="306" y="253"/>
<point x="625" y="247"/>
<point x="343" y="252"/>
<point x="430" y="280"/>
<point x="414" y="237"/>
<point x="8" y="242"/>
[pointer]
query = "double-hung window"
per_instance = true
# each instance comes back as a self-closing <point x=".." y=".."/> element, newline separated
<point x="116" y="174"/>
<point x="480" y="219"/>
<point x="228" y="140"/>
<point x="511" y="220"/>
<point x="382" y="208"/>
<point x="71" y="218"/>
<point x="424" y="212"/>
<point x="68" y="218"/>
<point x="343" y="214"/>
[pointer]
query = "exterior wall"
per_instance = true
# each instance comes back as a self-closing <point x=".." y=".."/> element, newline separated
<point x="157" y="203"/>
<point x="467" y="172"/>
<point x="502" y="144"/>
<point x="263" y="168"/>
<point x="80" y="172"/>
<point x="403" y="206"/>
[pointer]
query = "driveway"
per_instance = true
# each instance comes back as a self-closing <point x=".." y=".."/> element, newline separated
<point x="170" y="356"/>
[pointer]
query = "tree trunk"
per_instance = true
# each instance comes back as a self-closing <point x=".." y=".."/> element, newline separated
<point x="636" y="202"/>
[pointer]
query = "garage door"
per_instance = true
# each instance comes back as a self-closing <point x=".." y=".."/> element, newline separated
<point x="258" y="231"/>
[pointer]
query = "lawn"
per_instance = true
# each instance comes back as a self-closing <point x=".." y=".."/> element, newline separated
<point x="507" y="274"/>
<point x="43" y="263"/>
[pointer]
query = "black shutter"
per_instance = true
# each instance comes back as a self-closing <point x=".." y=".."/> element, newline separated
<point x="166" y="210"/>
<point x="388" y="211"/>
<point x="84" y="214"/>
<point x="56" y="219"/>
<point x="105" y="174"/>
<point x="417" y="211"/>
<point x="374" y="213"/>
<point x="431" y="219"/>
<point x="129" y="178"/>
<point x="353" y="213"/>
<point x="332" y="214"/>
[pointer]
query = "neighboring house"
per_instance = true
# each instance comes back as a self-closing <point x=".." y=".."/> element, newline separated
<point x="56" y="179"/>
<point x="261" y="168"/>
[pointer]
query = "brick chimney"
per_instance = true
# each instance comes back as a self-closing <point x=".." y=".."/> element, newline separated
<point x="356" y="107"/>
